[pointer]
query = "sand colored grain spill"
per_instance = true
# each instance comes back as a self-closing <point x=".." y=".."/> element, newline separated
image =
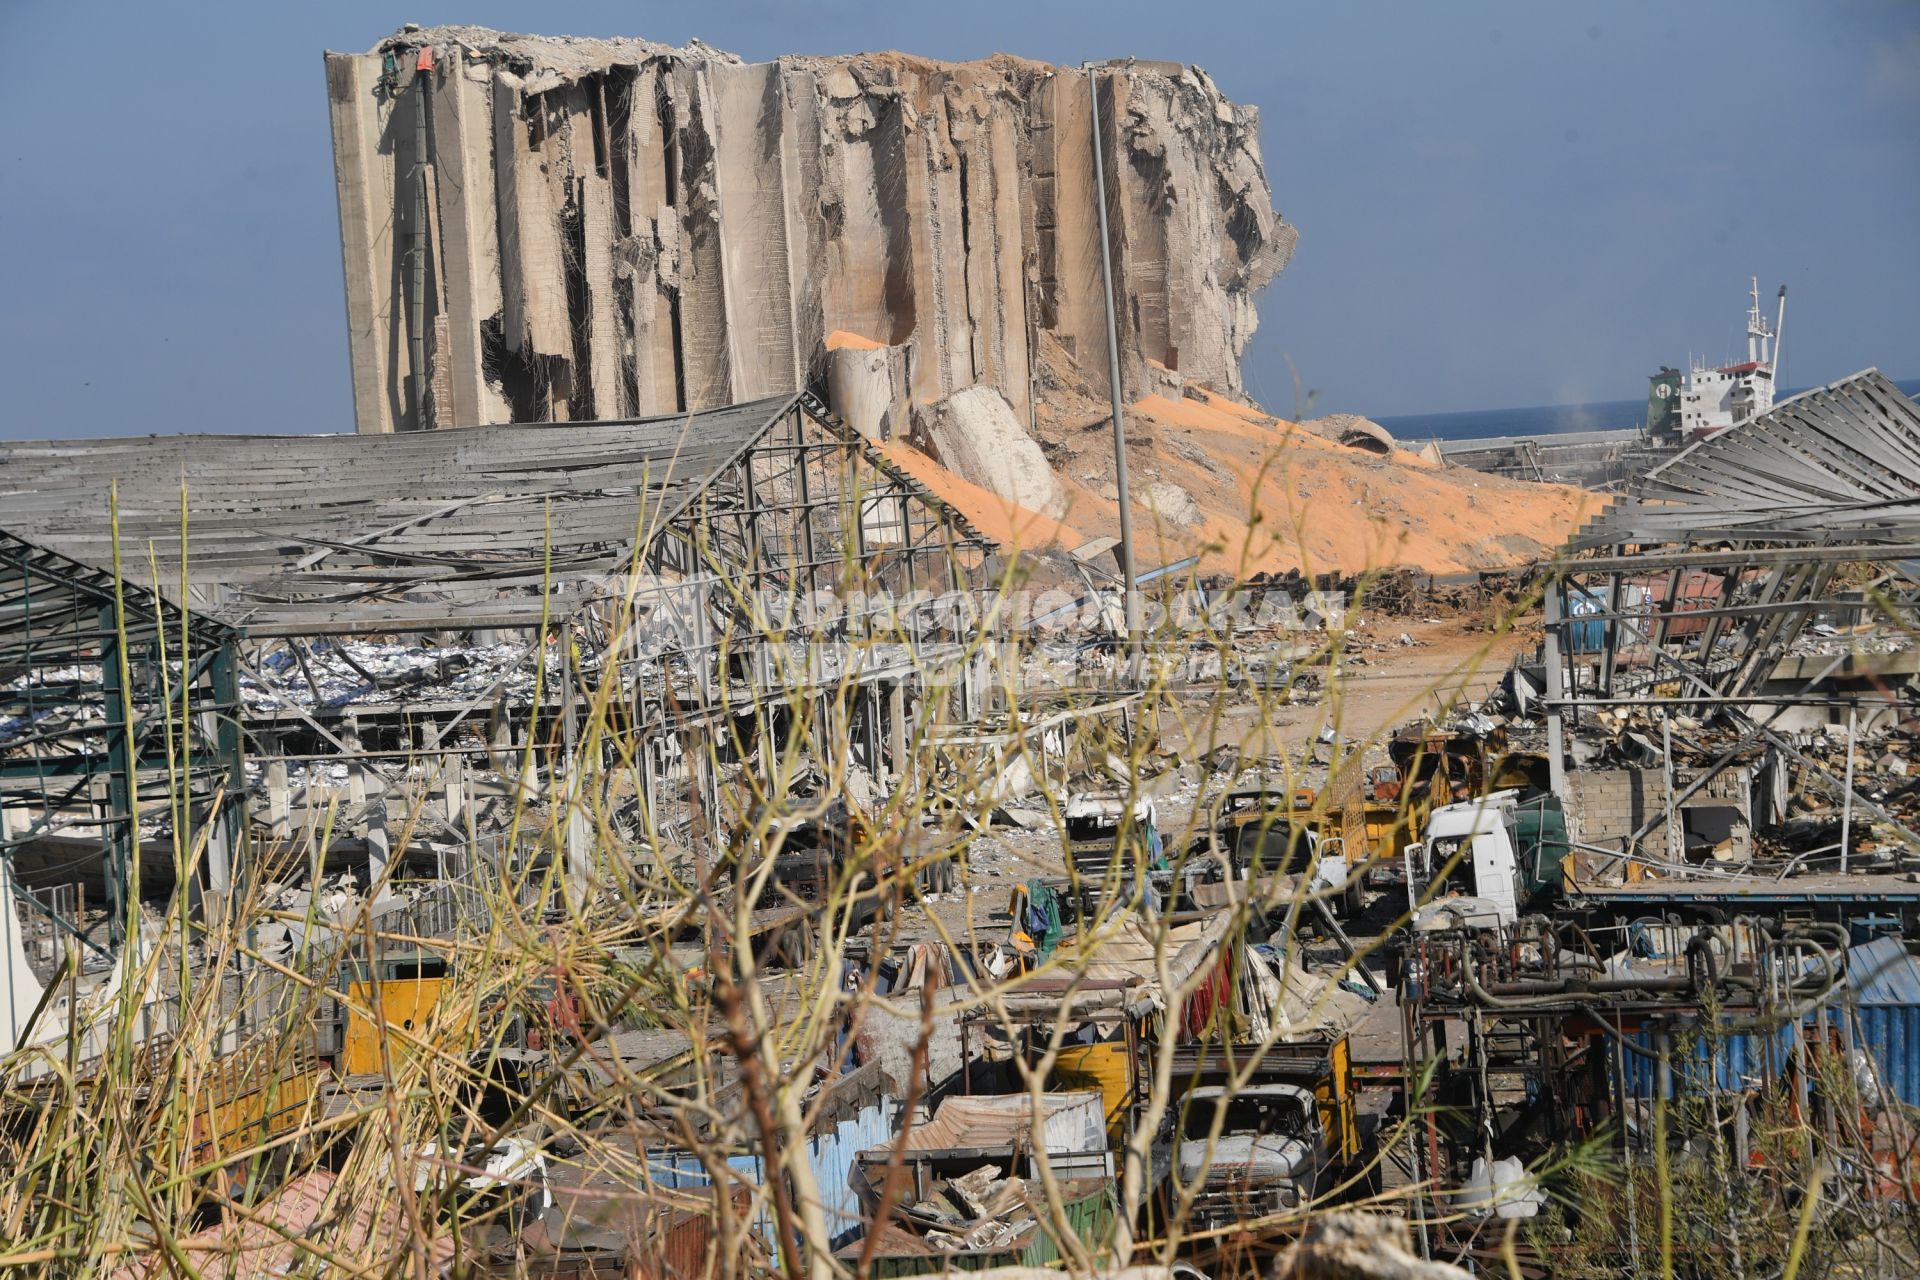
<point x="1273" y="497"/>
<point x="1011" y="525"/>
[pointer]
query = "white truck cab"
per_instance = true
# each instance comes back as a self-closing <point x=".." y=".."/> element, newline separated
<point x="1269" y="1155"/>
<point x="1481" y="833"/>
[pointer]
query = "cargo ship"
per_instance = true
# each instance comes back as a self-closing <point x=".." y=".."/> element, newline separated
<point x="1713" y="398"/>
<point x="1682" y="408"/>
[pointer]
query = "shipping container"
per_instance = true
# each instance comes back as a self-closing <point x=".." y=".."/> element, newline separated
<point x="1694" y="591"/>
<point x="1698" y="1062"/>
<point x="1585" y="632"/>
<point x="1876" y="1008"/>
<point x="1883" y="1014"/>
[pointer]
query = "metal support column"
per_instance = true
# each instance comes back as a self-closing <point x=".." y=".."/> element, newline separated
<point x="1132" y="585"/>
<point x="1556" y="688"/>
<point x="120" y="832"/>
<point x="226" y="844"/>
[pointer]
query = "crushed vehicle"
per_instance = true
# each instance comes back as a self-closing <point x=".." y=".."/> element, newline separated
<point x="1270" y="1155"/>
<point x="1262" y="833"/>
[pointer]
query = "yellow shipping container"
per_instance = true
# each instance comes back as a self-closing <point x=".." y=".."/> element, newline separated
<point x="1107" y="1068"/>
<point x="404" y="1003"/>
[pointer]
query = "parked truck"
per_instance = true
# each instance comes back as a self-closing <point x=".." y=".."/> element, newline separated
<point x="1284" y="1138"/>
<point x="1499" y="852"/>
<point x="1270" y="1154"/>
<point x="1379" y="809"/>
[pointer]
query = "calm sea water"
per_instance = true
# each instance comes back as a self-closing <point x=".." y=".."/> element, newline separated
<point x="1541" y="420"/>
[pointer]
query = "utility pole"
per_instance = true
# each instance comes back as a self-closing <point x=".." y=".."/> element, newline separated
<point x="419" y="379"/>
<point x="1133" y="611"/>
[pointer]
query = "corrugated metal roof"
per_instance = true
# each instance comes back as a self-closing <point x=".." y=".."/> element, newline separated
<point x="1071" y="1122"/>
<point x="296" y="531"/>
<point x="1839" y="463"/>
<point x="1882" y="973"/>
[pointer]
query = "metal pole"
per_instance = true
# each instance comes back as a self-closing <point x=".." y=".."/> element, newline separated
<point x="1556" y="688"/>
<point x="1846" y="798"/>
<point x="417" y="308"/>
<point x="1676" y="848"/>
<point x="1626" y="1148"/>
<point x="1133" y="612"/>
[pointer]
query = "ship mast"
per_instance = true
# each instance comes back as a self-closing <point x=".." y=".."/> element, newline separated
<point x="1779" y="336"/>
<point x="1757" y="331"/>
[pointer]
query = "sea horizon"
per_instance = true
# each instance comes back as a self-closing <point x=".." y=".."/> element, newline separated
<point x="1543" y="420"/>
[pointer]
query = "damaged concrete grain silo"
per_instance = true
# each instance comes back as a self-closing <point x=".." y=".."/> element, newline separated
<point x="539" y="227"/>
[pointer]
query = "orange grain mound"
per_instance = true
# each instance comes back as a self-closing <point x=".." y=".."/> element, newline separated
<point x="1205" y="417"/>
<point x="1274" y="496"/>
<point x="846" y="339"/>
<point x="1014" y="527"/>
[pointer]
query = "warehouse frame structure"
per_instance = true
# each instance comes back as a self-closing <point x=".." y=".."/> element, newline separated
<point x="1684" y="595"/>
<point x="114" y="703"/>
<point x="674" y="556"/>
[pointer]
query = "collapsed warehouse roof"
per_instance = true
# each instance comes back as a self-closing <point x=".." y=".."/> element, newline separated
<point x="1686" y="598"/>
<point x="294" y="543"/>
<point x="1835" y="465"/>
<point x="357" y="534"/>
<point x="1710" y="568"/>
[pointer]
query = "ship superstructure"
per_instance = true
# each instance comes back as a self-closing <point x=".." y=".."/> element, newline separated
<point x="1716" y="398"/>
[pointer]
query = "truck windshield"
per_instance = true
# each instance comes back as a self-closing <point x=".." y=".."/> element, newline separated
<point x="1276" y="849"/>
<point x="1280" y="1117"/>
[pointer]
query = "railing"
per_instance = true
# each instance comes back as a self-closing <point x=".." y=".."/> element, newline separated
<point x="42" y="938"/>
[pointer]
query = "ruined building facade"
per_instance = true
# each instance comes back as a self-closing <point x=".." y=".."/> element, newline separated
<point x="541" y="228"/>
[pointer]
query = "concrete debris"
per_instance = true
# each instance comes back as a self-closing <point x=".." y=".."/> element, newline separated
<point x="867" y="385"/>
<point x="1169" y="502"/>
<point x="1357" y="1246"/>
<point x="975" y="435"/>
<point x="1353" y="431"/>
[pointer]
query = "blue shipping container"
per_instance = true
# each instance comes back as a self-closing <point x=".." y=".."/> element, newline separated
<point x="1877" y="1008"/>
<point x="1588" y="636"/>
<point x="1883" y="984"/>
<point x="1735" y="1064"/>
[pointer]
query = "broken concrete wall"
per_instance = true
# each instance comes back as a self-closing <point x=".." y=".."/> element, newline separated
<point x="615" y="227"/>
<point x="1605" y="806"/>
<point x="975" y="435"/>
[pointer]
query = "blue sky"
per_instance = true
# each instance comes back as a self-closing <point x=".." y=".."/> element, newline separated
<point x="1499" y="203"/>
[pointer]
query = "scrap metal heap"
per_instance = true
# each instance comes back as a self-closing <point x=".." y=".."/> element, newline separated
<point x="1725" y="703"/>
